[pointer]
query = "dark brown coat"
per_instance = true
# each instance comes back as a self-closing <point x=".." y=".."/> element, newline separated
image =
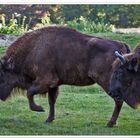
<point x="125" y="79"/>
<point x="42" y="60"/>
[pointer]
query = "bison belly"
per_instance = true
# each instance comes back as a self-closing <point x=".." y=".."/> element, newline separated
<point x="71" y="74"/>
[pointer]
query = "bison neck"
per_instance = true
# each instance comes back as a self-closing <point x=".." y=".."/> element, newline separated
<point x="103" y="81"/>
<point x="101" y="77"/>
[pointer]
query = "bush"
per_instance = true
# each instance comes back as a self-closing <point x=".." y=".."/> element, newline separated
<point x="88" y="26"/>
<point x="15" y="26"/>
<point x="122" y="16"/>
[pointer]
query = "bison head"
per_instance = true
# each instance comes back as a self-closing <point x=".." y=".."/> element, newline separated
<point x="7" y="81"/>
<point x="125" y="79"/>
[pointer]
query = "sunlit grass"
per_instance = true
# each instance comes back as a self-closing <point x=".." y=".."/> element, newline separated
<point x="132" y="39"/>
<point x="78" y="112"/>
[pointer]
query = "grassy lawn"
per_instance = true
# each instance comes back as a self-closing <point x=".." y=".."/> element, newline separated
<point x="79" y="110"/>
<point x="132" y="39"/>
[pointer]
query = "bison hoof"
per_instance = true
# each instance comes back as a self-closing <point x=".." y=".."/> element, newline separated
<point x="38" y="109"/>
<point x="49" y="120"/>
<point x="110" y="124"/>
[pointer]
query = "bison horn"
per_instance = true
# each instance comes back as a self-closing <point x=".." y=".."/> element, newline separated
<point x="121" y="58"/>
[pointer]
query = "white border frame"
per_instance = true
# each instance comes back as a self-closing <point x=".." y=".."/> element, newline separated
<point x="70" y="2"/>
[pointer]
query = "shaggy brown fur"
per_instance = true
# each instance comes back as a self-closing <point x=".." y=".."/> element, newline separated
<point x="41" y="60"/>
<point x="126" y="78"/>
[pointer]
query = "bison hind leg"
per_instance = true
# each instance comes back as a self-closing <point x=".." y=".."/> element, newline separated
<point x="52" y="96"/>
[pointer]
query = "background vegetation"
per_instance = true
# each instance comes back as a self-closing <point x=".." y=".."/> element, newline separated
<point x="79" y="110"/>
<point x="87" y="18"/>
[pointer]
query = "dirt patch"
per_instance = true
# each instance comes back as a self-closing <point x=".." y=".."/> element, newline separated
<point x="128" y="30"/>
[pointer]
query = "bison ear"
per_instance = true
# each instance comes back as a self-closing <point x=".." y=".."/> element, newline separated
<point x="134" y="64"/>
<point x="7" y="65"/>
<point x="10" y="64"/>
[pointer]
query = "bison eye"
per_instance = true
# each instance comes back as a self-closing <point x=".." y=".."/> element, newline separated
<point x="118" y="75"/>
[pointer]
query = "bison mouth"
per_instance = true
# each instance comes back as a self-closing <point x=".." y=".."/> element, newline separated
<point x="116" y="94"/>
<point x="129" y="99"/>
<point x="3" y="98"/>
<point x="118" y="98"/>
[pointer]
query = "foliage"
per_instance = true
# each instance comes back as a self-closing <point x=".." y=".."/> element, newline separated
<point x="46" y="19"/>
<point x="118" y="15"/>
<point x="31" y="11"/>
<point x="16" y="26"/>
<point x="88" y="26"/>
<point x="57" y="15"/>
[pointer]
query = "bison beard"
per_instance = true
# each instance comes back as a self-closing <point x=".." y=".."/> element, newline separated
<point x="46" y="58"/>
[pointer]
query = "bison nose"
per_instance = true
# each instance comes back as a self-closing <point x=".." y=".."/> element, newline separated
<point x="115" y="94"/>
<point x="110" y="93"/>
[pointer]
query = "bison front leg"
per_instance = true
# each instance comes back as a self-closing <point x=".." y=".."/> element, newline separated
<point x="52" y="95"/>
<point x="33" y="90"/>
<point x="117" y="109"/>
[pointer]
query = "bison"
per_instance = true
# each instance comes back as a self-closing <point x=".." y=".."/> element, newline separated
<point x="40" y="61"/>
<point x="125" y="79"/>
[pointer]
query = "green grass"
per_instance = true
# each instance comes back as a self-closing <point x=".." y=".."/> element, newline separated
<point x="79" y="110"/>
<point x="2" y="50"/>
<point x="132" y="39"/>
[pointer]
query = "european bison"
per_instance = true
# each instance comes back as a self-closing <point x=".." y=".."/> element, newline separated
<point x="125" y="79"/>
<point x="42" y="60"/>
